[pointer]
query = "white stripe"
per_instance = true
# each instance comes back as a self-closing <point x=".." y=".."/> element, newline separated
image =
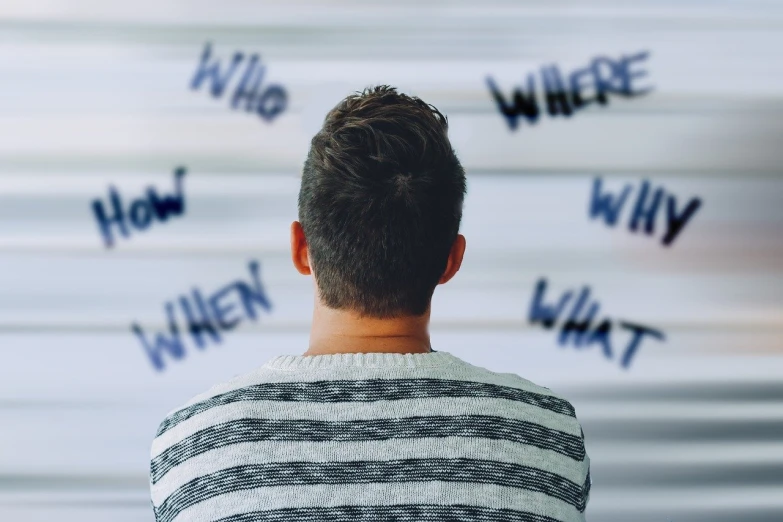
<point x="677" y="500"/>
<point x="364" y="411"/>
<point x="681" y="410"/>
<point x="381" y="494"/>
<point x="683" y="453"/>
<point x="459" y="370"/>
<point x="447" y="447"/>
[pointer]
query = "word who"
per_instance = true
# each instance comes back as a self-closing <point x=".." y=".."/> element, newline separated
<point x="141" y="212"/>
<point x="206" y="318"/>
<point x="644" y="211"/>
<point x="267" y="104"/>
<point x="579" y="328"/>
<point x="564" y="97"/>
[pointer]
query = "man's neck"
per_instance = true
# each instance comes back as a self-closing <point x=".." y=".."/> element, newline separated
<point x="338" y="331"/>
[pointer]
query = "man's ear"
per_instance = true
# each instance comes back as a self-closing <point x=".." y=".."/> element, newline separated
<point x="299" y="249"/>
<point x="455" y="259"/>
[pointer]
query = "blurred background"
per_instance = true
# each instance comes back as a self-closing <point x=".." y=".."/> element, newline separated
<point x="95" y="95"/>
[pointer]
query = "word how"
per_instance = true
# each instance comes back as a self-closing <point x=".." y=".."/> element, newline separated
<point x="644" y="211"/>
<point x="141" y="211"/>
<point x="564" y="97"/>
<point x="267" y="104"/>
<point x="206" y="317"/>
<point x="579" y="328"/>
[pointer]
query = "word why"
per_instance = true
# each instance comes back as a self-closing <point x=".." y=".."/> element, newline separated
<point x="141" y="211"/>
<point x="205" y="318"/>
<point x="267" y="104"/>
<point x="578" y="327"/>
<point x="603" y="75"/>
<point x="609" y="206"/>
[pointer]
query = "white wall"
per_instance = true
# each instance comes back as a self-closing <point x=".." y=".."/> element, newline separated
<point x="94" y="94"/>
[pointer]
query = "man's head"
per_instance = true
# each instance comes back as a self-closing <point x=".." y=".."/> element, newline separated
<point x="380" y="206"/>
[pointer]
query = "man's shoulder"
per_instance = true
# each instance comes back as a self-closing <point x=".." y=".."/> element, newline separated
<point x="526" y="394"/>
<point x="222" y="394"/>
<point x="235" y="383"/>
<point x="512" y="380"/>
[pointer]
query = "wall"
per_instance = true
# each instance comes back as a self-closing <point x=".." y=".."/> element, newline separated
<point x="98" y="94"/>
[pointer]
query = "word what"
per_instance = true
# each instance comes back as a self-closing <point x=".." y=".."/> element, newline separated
<point x="206" y="317"/>
<point x="565" y="95"/>
<point x="141" y="212"/>
<point x="644" y="211"/>
<point x="268" y="103"/>
<point x="579" y="328"/>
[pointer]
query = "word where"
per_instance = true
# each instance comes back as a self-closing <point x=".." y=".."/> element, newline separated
<point x="206" y="317"/>
<point x="564" y="97"/>
<point x="579" y="328"/>
<point x="267" y="104"/>
<point x="141" y="212"/>
<point x="609" y="206"/>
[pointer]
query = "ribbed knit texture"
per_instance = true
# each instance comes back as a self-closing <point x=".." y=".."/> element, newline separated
<point x="371" y="437"/>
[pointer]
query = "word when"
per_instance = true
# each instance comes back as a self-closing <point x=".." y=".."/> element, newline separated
<point x="141" y="211"/>
<point x="206" y="317"/>
<point x="604" y="75"/>
<point x="579" y="330"/>
<point x="609" y="206"/>
<point x="268" y="104"/>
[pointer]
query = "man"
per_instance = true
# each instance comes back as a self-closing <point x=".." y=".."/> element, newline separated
<point x="370" y="424"/>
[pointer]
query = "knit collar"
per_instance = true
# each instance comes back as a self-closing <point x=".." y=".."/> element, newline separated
<point x="362" y="360"/>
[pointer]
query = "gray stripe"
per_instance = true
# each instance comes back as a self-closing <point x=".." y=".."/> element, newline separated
<point x="738" y="392"/>
<point x="369" y="390"/>
<point x="684" y="430"/>
<point x="362" y="472"/>
<point x="471" y="426"/>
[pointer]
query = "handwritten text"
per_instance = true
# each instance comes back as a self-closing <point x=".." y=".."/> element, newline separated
<point x="206" y="317"/>
<point x="579" y="328"/>
<point x="565" y="96"/>
<point x="140" y="212"/>
<point x="644" y="211"/>
<point x="268" y="103"/>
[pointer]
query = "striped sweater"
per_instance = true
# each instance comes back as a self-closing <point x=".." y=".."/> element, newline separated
<point x="372" y="437"/>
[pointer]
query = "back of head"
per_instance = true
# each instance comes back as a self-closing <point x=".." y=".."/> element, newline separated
<point x="380" y="203"/>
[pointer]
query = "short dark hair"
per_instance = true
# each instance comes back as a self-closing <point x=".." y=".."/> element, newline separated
<point x="381" y="203"/>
